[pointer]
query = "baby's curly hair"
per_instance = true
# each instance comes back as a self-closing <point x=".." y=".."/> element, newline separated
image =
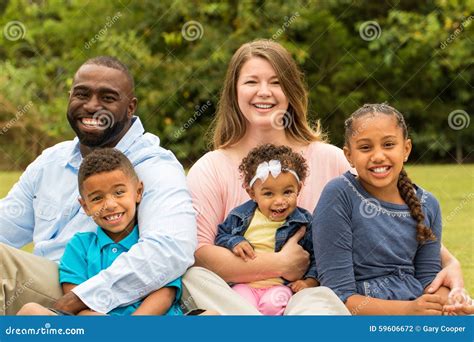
<point x="104" y="160"/>
<point x="264" y="153"/>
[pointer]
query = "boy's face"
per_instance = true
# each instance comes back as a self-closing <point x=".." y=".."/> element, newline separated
<point x="111" y="199"/>
<point x="276" y="197"/>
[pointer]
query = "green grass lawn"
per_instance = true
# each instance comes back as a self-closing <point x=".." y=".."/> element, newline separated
<point x="452" y="185"/>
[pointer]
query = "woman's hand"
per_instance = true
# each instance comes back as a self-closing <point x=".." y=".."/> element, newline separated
<point x="450" y="276"/>
<point x="294" y="260"/>
<point x="459" y="310"/>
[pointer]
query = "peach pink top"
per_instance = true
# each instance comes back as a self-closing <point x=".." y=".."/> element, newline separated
<point x="216" y="186"/>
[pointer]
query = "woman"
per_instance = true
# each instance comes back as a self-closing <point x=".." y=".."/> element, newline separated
<point x="264" y="100"/>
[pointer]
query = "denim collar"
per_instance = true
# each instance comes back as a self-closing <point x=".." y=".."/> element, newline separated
<point x="247" y="210"/>
<point x="127" y="242"/>
<point x="135" y="131"/>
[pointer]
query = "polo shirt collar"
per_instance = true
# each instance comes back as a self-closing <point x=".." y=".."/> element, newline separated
<point x="126" y="242"/>
<point x="135" y="131"/>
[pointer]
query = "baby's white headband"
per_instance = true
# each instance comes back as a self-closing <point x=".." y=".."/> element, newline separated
<point x="273" y="167"/>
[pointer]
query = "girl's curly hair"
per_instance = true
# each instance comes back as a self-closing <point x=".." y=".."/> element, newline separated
<point x="264" y="153"/>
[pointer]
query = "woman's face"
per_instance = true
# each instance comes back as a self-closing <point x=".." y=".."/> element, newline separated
<point x="260" y="96"/>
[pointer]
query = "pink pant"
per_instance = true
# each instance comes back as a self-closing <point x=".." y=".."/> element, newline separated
<point x="269" y="301"/>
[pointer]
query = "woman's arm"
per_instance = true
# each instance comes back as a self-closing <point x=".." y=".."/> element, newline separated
<point x="451" y="274"/>
<point x="290" y="263"/>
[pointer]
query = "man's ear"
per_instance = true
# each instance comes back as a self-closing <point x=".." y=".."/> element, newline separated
<point x="84" y="206"/>
<point x="139" y="192"/>
<point x="132" y="107"/>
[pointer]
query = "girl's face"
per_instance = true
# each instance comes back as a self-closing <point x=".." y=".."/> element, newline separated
<point x="259" y="94"/>
<point x="377" y="149"/>
<point x="276" y="197"/>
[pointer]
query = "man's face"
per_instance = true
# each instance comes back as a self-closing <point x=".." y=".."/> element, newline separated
<point x="101" y="105"/>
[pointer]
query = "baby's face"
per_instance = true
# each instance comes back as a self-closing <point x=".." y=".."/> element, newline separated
<point x="276" y="197"/>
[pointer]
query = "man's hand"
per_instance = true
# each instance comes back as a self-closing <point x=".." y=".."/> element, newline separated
<point x="294" y="259"/>
<point x="70" y="303"/>
<point x="244" y="250"/>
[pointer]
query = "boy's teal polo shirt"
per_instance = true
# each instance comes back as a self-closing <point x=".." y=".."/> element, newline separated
<point x="89" y="253"/>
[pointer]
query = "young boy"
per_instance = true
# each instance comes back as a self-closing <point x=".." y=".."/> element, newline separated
<point x="110" y="193"/>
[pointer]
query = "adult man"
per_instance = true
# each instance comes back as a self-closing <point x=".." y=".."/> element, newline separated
<point x="43" y="205"/>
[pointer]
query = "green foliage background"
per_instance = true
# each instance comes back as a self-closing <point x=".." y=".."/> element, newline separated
<point x="422" y="63"/>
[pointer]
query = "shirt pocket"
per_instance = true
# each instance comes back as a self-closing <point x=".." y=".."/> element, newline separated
<point x="46" y="210"/>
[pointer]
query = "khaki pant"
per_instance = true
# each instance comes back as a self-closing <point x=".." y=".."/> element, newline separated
<point x="206" y="290"/>
<point x="26" y="278"/>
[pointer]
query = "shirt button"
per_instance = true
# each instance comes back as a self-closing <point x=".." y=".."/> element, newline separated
<point x="114" y="250"/>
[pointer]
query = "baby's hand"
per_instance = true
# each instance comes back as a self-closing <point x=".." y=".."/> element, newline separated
<point x="303" y="284"/>
<point x="244" y="250"/>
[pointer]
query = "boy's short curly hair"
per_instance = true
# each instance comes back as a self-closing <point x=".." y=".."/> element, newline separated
<point x="104" y="160"/>
<point x="264" y="153"/>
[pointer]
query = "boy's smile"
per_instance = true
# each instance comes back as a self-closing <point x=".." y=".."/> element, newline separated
<point x="111" y="198"/>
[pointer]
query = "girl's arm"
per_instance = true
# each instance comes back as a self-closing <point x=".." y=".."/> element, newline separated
<point x="158" y="302"/>
<point x="427" y="304"/>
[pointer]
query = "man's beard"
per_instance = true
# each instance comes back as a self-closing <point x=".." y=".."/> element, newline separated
<point x="104" y="138"/>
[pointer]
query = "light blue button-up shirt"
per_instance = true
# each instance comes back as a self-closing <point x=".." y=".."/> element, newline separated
<point x="43" y="207"/>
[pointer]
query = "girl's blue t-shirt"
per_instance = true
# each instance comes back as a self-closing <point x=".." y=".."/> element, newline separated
<point x="366" y="246"/>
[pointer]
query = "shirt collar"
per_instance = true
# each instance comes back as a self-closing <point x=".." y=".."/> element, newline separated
<point x="126" y="242"/>
<point x="135" y="131"/>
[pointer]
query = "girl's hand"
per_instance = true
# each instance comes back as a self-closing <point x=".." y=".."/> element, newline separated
<point x="299" y="285"/>
<point x="244" y="250"/>
<point x="427" y="304"/>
